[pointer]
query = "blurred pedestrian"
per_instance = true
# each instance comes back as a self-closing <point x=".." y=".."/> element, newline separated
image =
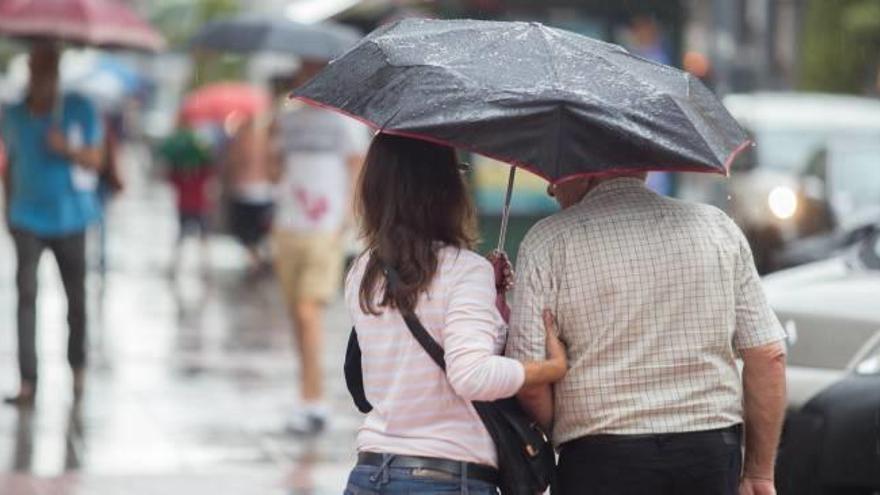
<point x="252" y="192"/>
<point x="54" y="147"/>
<point x="318" y="156"/>
<point x="418" y="221"/>
<point x="189" y="170"/>
<point x="656" y="299"/>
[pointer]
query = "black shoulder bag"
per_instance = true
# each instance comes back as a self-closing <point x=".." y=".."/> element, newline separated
<point x="526" y="459"/>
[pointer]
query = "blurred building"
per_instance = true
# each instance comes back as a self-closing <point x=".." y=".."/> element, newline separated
<point x="734" y="45"/>
<point x="748" y="44"/>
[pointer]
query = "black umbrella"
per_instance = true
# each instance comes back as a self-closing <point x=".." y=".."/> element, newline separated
<point x="257" y="33"/>
<point x="554" y="102"/>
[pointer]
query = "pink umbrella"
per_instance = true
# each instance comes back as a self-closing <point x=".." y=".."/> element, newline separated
<point x="217" y="102"/>
<point x="104" y="23"/>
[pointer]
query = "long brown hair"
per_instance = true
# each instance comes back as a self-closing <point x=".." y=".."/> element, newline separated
<point x="412" y="200"/>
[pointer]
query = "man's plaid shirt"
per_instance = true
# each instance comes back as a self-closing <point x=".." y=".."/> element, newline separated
<point x="654" y="297"/>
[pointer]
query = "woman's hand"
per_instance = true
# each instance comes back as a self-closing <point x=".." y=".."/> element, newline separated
<point x="557" y="355"/>
<point x="554" y="368"/>
<point x="756" y="486"/>
<point x="503" y="281"/>
<point x="504" y="274"/>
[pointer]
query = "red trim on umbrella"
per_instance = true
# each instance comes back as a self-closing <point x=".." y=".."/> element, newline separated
<point x="525" y="166"/>
<point x="735" y="153"/>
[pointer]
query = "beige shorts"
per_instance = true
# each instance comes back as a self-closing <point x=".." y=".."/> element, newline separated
<point x="308" y="266"/>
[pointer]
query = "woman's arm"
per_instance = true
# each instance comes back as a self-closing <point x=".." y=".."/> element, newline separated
<point x="536" y="397"/>
<point x="555" y="366"/>
<point x="474" y="370"/>
<point x="470" y="335"/>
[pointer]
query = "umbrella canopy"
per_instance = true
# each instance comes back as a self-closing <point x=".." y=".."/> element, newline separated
<point x="104" y="23"/>
<point x="556" y="103"/>
<point x="257" y="33"/>
<point x="108" y="81"/>
<point x="217" y="102"/>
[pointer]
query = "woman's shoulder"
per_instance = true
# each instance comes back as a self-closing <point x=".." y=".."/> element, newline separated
<point x="356" y="269"/>
<point x="459" y="261"/>
<point x="355" y="275"/>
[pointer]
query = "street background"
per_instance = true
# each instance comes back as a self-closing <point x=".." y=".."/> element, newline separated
<point x="193" y="374"/>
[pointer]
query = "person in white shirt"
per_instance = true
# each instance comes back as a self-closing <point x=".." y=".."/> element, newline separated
<point x="318" y="155"/>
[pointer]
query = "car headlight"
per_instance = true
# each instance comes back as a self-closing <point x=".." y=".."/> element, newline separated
<point x="783" y="202"/>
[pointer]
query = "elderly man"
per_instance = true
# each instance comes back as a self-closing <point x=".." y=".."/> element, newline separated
<point x="655" y="299"/>
<point x="54" y="151"/>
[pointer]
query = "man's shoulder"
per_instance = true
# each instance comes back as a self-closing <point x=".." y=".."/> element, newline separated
<point x="549" y="229"/>
<point x="703" y="214"/>
<point x="694" y="208"/>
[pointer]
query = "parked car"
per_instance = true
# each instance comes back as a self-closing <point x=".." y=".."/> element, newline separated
<point x="823" y="246"/>
<point x="840" y="197"/>
<point x="831" y="310"/>
<point x="771" y="193"/>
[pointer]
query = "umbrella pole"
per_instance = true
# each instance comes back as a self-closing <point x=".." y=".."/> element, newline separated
<point x="505" y="213"/>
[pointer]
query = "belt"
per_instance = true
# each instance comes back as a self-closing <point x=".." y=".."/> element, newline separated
<point x="730" y="434"/>
<point x="475" y="472"/>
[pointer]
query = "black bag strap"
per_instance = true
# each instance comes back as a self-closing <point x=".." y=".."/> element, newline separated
<point x="415" y="326"/>
<point x="354" y="375"/>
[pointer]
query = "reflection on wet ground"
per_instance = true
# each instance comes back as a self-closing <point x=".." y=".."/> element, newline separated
<point x="190" y="381"/>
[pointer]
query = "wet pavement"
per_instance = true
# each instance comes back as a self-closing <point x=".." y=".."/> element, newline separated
<point x="190" y="379"/>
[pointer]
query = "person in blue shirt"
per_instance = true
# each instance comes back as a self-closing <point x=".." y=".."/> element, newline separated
<point x="54" y="151"/>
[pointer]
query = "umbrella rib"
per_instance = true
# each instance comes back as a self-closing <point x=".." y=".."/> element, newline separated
<point x="665" y="95"/>
<point x="612" y="62"/>
<point x="694" y="128"/>
<point x="561" y="103"/>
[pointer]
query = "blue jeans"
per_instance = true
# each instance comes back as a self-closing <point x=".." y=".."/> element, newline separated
<point x="373" y="480"/>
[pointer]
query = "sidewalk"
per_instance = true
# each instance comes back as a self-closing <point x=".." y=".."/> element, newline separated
<point x="190" y="380"/>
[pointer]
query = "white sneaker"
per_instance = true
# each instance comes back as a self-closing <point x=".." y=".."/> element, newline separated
<point x="309" y="421"/>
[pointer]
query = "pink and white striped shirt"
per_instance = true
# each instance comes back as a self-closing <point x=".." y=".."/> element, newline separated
<point x="417" y="410"/>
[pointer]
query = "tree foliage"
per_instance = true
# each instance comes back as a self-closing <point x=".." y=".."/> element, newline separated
<point x="179" y="20"/>
<point x="841" y="45"/>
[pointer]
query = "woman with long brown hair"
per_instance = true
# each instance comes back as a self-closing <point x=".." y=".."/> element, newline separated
<point x="423" y="434"/>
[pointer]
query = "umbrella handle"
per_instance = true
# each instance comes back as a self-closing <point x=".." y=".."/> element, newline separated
<point x="505" y="213"/>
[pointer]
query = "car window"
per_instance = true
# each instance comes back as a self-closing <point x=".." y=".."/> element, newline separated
<point x="826" y="342"/>
<point x="790" y="149"/>
<point x="854" y="179"/>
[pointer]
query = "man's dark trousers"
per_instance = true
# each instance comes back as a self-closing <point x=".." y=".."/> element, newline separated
<point x="698" y="463"/>
<point x="70" y="254"/>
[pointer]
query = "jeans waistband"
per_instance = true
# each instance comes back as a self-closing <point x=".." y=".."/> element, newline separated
<point x="458" y="469"/>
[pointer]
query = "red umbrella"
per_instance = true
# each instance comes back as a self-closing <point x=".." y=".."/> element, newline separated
<point x="105" y="23"/>
<point x="217" y="102"/>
